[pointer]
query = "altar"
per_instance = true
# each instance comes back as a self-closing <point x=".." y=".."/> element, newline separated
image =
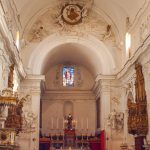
<point x="80" y="142"/>
<point x="70" y="140"/>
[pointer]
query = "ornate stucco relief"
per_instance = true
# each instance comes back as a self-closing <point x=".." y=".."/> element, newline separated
<point x="116" y="120"/>
<point x="11" y="15"/>
<point x="145" y="29"/>
<point x="48" y="24"/>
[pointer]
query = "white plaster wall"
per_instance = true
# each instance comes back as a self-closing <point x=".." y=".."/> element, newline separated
<point x="83" y="110"/>
<point x="140" y="31"/>
<point x="81" y="96"/>
<point x="86" y="77"/>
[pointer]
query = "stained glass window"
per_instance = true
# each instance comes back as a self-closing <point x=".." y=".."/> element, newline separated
<point x="68" y="76"/>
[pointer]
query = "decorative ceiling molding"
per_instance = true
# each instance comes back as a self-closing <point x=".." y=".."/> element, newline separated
<point x="138" y="15"/>
<point x="52" y="22"/>
<point x="143" y="50"/>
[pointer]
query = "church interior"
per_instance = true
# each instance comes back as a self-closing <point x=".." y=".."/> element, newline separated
<point x="74" y="74"/>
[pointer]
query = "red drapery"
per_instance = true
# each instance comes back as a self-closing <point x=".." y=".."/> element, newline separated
<point x="102" y="140"/>
<point x="98" y="144"/>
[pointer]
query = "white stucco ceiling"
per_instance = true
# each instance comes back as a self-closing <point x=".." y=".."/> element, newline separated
<point x="115" y="10"/>
<point x="94" y="54"/>
<point x="89" y="52"/>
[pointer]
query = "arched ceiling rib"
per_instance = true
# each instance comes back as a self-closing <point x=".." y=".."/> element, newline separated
<point x="90" y="53"/>
<point x="71" y="53"/>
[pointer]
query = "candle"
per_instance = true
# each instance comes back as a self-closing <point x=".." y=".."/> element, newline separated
<point x="82" y="123"/>
<point x="87" y="123"/>
<point x="52" y="123"/>
<point x="57" y="124"/>
<point x="76" y="123"/>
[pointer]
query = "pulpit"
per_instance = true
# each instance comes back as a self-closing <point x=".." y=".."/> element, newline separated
<point x="9" y="147"/>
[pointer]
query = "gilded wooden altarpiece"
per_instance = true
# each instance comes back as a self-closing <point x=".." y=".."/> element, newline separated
<point x="137" y="111"/>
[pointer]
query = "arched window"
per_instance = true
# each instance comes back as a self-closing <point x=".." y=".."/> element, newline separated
<point x="68" y="76"/>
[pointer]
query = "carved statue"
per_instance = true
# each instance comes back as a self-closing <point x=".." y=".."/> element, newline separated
<point x="108" y="32"/>
<point x="86" y="8"/>
<point x="29" y="119"/>
<point x="11" y="76"/>
<point x="60" y="21"/>
<point x="69" y="122"/>
<point x="112" y="119"/>
<point x="116" y="120"/>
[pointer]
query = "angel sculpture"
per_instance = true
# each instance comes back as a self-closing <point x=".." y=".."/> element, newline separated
<point x="116" y="120"/>
<point x="86" y="8"/>
<point x="60" y="21"/>
<point x="108" y="32"/>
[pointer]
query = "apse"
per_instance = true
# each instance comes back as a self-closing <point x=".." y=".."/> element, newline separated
<point x="70" y="54"/>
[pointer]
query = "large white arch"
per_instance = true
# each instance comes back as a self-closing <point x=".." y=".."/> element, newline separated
<point x="100" y="57"/>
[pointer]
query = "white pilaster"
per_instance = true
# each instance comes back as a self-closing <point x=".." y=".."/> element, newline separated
<point x="32" y="85"/>
<point x="103" y="90"/>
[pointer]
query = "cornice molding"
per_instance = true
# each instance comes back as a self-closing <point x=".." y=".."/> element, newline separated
<point x="105" y="77"/>
<point x="143" y="48"/>
<point x="68" y="95"/>
<point x="68" y="92"/>
<point x="140" y="12"/>
<point x="35" y="77"/>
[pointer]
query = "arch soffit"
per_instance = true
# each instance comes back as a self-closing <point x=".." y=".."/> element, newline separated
<point x="101" y="58"/>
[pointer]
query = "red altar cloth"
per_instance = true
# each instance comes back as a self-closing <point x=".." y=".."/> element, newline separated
<point x="72" y="132"/>
<point x="98" y="144"/>
<point x="95" y="145"/>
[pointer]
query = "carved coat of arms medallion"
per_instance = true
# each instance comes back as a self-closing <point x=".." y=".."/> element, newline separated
<point x="72" y="14"/>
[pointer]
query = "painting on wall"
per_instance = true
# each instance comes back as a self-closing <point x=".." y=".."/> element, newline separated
<point x="68" y="76"/>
